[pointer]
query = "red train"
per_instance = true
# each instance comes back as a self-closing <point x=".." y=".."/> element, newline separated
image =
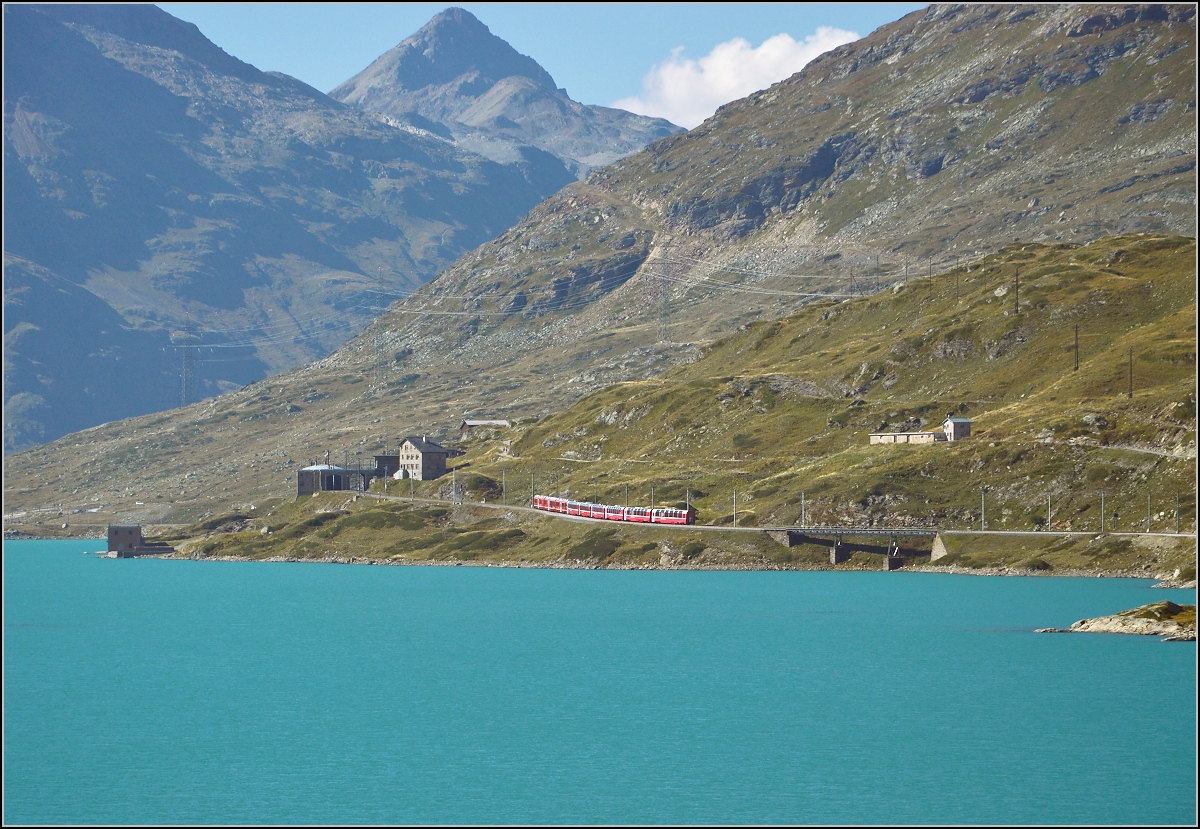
<point x="641" y="515"/>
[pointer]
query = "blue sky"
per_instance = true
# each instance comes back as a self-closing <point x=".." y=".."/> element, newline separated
<point x="670" y="59"/>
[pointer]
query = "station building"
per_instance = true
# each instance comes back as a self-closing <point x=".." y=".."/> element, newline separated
<point x="416" y="457"/>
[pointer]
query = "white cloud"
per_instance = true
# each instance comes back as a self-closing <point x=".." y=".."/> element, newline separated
<point x="687" y="91"/>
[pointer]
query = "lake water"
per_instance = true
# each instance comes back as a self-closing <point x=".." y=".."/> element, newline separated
<point x="148" y="691"/>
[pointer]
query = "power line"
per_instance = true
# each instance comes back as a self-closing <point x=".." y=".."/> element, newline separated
<point x="662" y="280"/>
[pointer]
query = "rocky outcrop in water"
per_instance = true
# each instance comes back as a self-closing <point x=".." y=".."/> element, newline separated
<point x="1177" y="623"/>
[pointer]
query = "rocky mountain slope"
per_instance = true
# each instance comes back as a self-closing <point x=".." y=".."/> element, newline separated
<point x="819" y="185"/>
<point x="455" y="78"/>
<point x="1052" y="124"/>
<point x="185" y="198"/>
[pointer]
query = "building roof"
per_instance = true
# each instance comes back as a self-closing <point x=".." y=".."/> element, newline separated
<point x="425" y="445"/>
<point x="485" y="423"/>
<point x="325" y="467"/>
<point x="958" y="420"/>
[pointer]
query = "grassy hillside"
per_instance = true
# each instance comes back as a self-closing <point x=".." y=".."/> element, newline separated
<point x="784" y="407"/>
<point x="781" y="412"/>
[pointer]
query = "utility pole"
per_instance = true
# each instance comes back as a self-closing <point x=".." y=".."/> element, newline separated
<point x="735" y="508"/>
<point x="412" y="489"/>
<point x="1076" y="346"/>
<point x="504" y="487"/>
<point x="187" y="391"/>
<point x="803" y="518"/>
<point x="663" y="309"/>
<point x="1049" y="524"/>
<point x="1147" y="512"/>
<point x="982" y="510"/>
<point x="1017" y="293"/>
<point x="377" y="342"/>
<point x="651" y="496"/>
<point x="1103" y="527"/>
<point x="626" y="493"/>
<point x="1130" y="372"/>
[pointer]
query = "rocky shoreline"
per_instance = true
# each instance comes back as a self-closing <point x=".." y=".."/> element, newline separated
<point x="1162" y="579"/>
<point x="561" y="564"/>
<point x="675" y="563"/>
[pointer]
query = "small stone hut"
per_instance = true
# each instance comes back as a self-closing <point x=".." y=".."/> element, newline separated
<point x="956" y="428"/>
<point x="127" y="542"/>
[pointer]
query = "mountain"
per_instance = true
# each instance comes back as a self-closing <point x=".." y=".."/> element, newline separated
<point x="1057" y="125"/>
<point x="58" y="334"/>
<point x="935" y="140"/>
<point x="771" y="428"/>
<point x="205" y="203"/>
<point x="457" y="78"/>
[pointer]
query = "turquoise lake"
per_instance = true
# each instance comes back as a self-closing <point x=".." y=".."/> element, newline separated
<point x="150" y="691"/>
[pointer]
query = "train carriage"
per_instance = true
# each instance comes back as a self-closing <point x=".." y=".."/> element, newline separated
<point x="609" y="512"/>
<point x="673" y="516"/>
<point x="640" y="515"/>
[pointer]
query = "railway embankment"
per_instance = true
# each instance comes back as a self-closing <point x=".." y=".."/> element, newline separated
<point x="360" y="529"/>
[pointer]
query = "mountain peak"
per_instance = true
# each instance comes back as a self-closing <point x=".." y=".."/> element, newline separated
<point x="453" y="44"/>
<point x="456" y="16"/>
<point x="494" y="100"/>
